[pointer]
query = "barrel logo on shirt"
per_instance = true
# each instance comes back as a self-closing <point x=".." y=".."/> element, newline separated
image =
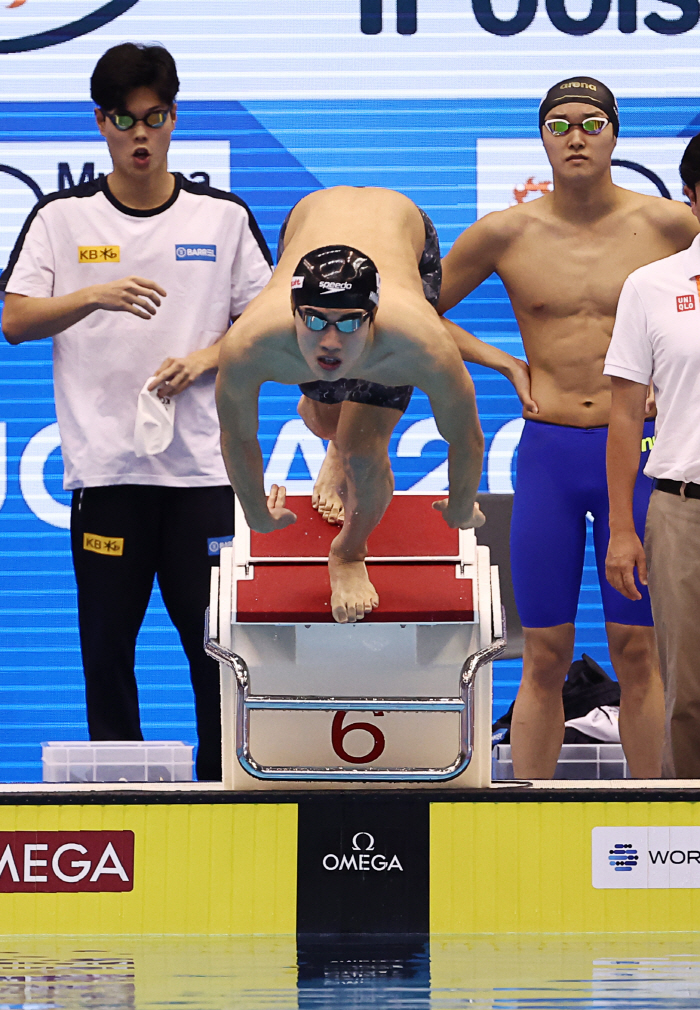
<point x="685" y="303"/>
<point x="98" y="254"/>
<point x="191" y="251"/>
<point x="112" y="546"/>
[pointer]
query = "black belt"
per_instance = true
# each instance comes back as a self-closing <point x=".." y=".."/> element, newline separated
<point x="674" y="487"/>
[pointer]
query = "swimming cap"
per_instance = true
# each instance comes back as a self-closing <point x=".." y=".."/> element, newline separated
<point x="337" y="277"/>
<point x="582" y="89"/>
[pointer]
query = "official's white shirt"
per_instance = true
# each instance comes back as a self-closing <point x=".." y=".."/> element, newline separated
<point x="657" y="337"/>
<point x="204" y="248"/>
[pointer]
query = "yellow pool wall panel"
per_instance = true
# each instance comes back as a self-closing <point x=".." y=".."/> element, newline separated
<point x="526" y="868"/>
<point x="198" y="869"/>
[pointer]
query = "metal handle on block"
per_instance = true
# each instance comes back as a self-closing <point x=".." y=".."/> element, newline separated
<point x="247" y="703"/>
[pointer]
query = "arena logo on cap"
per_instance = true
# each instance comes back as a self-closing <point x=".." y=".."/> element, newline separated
<point x="68" y="19"/>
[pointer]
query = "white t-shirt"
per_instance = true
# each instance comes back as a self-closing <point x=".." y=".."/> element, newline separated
<point x="657" y="336"/>
<point x="205" y="249"/>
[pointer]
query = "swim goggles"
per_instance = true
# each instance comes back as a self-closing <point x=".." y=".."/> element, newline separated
<point x="124" y="120"/>
<point x="592" y="126"/>
<point x="318" y="323"/>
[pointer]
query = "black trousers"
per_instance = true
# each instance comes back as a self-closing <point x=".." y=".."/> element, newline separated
<point x="121" y="537"/>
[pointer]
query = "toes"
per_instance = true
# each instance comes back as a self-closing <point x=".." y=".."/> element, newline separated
<point x="333" y="513"/>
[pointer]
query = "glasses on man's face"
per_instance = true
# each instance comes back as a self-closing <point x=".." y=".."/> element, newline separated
<point x="592" y="126"/>
<point x="318" y="323"/>
<point x="124" y="120"/>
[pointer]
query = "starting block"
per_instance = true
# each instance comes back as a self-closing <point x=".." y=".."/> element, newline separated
<point x="394" y="698"/>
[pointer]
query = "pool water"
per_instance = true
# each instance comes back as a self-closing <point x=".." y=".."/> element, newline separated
<point x="543" y="972"/>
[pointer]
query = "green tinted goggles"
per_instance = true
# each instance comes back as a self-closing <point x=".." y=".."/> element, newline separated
<point x="592" y="126"/>
<point x="124" y="120"/>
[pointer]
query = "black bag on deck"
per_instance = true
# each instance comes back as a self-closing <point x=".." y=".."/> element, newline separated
<point x="587" y="686"/>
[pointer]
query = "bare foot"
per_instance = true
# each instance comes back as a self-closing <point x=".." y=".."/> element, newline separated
<point x="352" y="594"/>
<point x="326" y="495"/>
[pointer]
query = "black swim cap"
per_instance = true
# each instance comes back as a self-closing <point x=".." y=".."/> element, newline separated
<point x="582" y="89"/>
<point x="338" y="277"/>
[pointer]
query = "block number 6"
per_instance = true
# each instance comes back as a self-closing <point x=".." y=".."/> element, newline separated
<point x="339" y="732"/>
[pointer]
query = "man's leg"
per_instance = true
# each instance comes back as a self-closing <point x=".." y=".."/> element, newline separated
<point x="537" y="730"/>
<point x="322" y="420"/>
<point x="632" y="643"/>
<point x="362" y="442"/>
<point x="672" y="544"/>
<point x="113" y="537"/>
<point x="548" y="541"/>
<point x="194" y="515"/>
<point x="635" y="661"/>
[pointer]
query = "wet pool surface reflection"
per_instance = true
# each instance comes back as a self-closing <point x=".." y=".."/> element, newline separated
<point x="548" y="971"/>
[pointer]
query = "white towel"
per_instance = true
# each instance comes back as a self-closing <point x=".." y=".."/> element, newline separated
<point x="155" y="422"/>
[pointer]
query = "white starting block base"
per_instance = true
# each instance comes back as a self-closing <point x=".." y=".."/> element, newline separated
<point x="331" y="732"/>
<point x="362" y="660"/>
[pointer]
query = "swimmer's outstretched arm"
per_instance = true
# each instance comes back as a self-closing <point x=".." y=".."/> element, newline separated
<point x="451" y="393"/>
<point x="480" y="353"/>
<point x="237" y="391"/>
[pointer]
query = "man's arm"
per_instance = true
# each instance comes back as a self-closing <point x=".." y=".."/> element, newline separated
<point x="176" y="374"/>
<point x="26" y="318"/>
<point x="471" y="259"/>
<point x="625" y="550"/>
<point x="453" y="400"/>
<point x="241" y="374"/>
<point x="480" y="353"/>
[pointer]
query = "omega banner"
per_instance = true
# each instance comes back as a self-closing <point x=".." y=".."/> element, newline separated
<point x="52" y="861"/>
<point x="350" y="49"/>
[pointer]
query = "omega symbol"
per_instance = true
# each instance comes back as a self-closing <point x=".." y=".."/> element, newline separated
<point x="367" y="848"/>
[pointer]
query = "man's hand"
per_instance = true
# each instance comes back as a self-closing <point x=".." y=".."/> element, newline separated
<point x="176" y="374"/>
<point x="129" y="294"/>
<point x="650" y="403"/>
<point x="625" y="553"/>
<point x="279" y="516"/>
<point x="519" y="375"/>
<point x="456" y="521"/>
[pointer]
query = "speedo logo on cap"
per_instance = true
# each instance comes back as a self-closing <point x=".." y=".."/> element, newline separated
<point x="330" y="286"/>
<point x="579" y="84"/>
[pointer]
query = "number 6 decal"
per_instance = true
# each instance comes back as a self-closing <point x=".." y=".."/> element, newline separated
<point x="339" y="732"/>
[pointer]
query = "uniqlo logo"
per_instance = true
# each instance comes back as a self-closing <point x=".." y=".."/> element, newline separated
<point x="685" y="303"/>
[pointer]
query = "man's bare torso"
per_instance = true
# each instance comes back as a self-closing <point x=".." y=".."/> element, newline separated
<point x="564" y="279"/>
<point x="388" y="228"/>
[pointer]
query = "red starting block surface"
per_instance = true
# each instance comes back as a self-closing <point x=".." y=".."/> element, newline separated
<point x="416" y="583"/>
<point x="301" y="593"/>
<point x="411" y="527"/>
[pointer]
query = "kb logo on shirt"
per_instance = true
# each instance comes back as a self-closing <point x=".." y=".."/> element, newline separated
<point x="98" y="254"/>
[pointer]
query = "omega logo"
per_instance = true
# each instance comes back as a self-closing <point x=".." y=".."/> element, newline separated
<point x="363" y="857"/>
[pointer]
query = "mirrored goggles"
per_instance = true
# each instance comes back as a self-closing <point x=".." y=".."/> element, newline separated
<point x="592" y="126"/>
<point x="318" y="323"/>
<point x="124" y="120"/>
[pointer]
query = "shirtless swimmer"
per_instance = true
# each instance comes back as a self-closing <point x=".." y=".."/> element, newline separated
<point x="360" y="352"/>
<point x="563" y="259"/>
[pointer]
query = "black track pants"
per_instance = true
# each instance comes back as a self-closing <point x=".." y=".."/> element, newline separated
<point x="122" y="536"/>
